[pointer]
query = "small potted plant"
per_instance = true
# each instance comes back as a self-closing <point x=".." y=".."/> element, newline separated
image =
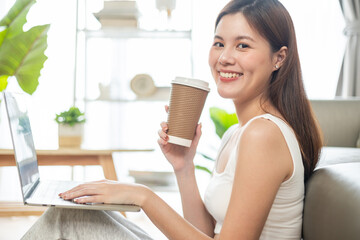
<point x="71" y="127"/>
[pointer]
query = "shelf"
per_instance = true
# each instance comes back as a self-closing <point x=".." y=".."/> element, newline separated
<point x="111" y="54"/>
<point x="161" y="94"/>
<point x="135" y="33"/>
<point x="125" y="100"/>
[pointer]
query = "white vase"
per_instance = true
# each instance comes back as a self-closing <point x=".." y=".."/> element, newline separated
<point x="70" y="136"/>
<point x="167" y="5"/>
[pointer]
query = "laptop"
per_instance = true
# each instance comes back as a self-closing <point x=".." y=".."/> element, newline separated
<point x="37" y="192"/>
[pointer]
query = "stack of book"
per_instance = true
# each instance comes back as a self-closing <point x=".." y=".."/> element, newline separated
<point x="118" y="13"/>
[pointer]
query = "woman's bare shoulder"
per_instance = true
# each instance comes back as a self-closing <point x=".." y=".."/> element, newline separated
<point x="263" y="140"/>
<point x="263" y="130"/>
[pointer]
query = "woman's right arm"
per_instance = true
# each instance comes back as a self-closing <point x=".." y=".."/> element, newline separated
<point x="181" y="159"/>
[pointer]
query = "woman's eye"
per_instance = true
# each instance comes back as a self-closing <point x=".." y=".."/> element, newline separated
<point x="218" y="44"/>
<point x="242" y="45"/>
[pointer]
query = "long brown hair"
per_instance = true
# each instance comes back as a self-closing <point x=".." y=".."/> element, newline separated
<point x="286" y="91"/>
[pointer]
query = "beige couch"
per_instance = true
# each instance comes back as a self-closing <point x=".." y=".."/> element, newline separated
<point x="339" y="120"/>
<point x="332" y="201"/>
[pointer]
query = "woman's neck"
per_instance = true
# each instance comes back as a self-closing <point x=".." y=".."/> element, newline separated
<point x="248" y="110"/>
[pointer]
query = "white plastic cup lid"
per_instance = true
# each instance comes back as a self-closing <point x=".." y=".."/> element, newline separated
<point x="191" y="82"/>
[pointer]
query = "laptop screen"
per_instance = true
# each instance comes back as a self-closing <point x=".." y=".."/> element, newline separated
<point x="23" y="143"/>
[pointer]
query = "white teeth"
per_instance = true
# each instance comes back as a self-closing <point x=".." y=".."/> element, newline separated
<point x="229" y="75"/>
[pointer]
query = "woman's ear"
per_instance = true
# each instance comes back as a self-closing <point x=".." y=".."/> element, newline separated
<point x="279" y="57"/>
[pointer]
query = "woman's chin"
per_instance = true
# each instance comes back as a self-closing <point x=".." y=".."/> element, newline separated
<point x="226" y="94"/>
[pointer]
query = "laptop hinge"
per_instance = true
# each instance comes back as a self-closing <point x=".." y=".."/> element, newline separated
<point x="31" y="190"/>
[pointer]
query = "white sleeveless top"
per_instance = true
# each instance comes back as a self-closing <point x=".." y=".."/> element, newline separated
<point x="285" y="217"/>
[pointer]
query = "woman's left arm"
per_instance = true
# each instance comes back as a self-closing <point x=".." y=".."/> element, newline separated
<point x="263" y="163"/>
<point x="160" y="213"/>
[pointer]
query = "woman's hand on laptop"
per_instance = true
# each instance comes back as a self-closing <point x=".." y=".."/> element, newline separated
<point x="107" y="191"/>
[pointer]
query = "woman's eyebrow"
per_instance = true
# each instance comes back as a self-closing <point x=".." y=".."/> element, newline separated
<point x="245" y="37"/>
<point x="218" y="37"/>
<point x="237" y="38"/>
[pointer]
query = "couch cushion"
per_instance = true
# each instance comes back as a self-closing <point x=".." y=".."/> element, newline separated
<point x="332" y="203"/>
<point x="339" y="120"/>
<point x="335" y="155"/>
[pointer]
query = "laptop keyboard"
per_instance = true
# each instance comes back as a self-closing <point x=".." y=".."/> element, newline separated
<point x="47" y="194"/>
<point x="49" y="190"/>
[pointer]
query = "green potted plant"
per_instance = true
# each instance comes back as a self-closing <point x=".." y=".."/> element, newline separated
<point x="222" y="121"/>
<point x="71" y="127"/>
<point x="21" y="53"/>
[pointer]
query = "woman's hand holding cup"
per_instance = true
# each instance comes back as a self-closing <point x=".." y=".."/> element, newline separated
<point x="180" y="157"/>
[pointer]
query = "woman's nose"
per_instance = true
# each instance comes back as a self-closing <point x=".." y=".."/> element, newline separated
<point x="226" y="57"/>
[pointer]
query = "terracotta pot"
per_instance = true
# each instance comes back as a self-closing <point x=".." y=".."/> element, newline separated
<point x="71" y="136"/>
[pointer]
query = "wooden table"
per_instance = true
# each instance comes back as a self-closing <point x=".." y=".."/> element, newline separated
<point x="61" y="157"/>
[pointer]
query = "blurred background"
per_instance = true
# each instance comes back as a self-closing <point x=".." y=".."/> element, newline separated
<point x="91" y="65"/>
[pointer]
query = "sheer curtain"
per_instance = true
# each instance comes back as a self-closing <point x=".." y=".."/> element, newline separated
<point x="349" y="79"/>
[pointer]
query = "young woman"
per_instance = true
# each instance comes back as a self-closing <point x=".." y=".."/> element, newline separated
<point x="257" y="188"/>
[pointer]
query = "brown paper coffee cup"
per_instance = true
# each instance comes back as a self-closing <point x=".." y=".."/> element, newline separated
<point x="187" y="101"/>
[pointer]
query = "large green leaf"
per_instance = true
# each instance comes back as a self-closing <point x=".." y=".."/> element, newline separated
<point x="16" y="17"/>
<point x="3" y="32"/>
<point x="3" y="82"/>
<point x="23" y="57"/>
<point x="222" y="120"/>
<point x="22" y="53"/>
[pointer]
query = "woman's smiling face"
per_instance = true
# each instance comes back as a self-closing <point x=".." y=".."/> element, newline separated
<point x="240" y="59"/>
